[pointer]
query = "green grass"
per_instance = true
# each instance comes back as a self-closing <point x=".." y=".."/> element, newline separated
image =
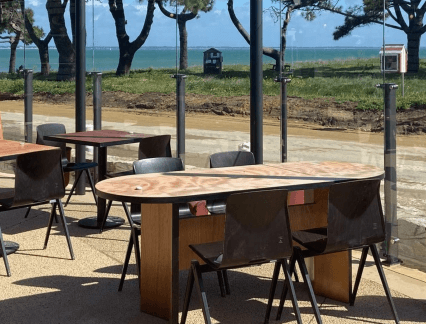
<point x="342" y="80"/>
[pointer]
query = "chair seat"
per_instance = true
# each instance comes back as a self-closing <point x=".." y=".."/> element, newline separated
<point x="79" y="166"/>
<point x="119" y="174"/>
<point x="313" y="239"/>
<point x="183" y="212"/>
<point x="211" y="253"/>
<point x="216" y="206"/>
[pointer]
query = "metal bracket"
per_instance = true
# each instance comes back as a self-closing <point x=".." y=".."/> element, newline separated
<point x="392" y="86"/>
<point x="282" y="79"/>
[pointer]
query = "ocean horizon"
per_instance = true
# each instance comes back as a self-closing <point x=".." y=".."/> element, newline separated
<point x="106" y="58"/>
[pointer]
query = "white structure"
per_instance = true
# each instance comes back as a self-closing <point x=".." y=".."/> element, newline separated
<point x="395" y="58"/>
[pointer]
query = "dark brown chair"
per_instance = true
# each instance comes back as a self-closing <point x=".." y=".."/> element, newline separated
<point x="355" y="220"/>
<point x="38" y="180"/>
<point x="149" y="147"/>
<point x="79" y="168"/>
<point x="227" y="159"/>
<point x="257" y="231"/>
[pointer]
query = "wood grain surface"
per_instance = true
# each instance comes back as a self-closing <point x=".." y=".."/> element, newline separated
<point x="11" y="149"/>
<point x="200" y="184"/>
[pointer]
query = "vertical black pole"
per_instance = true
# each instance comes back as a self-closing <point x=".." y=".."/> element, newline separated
<point x="80" y="84"/>
<point x="283" y="124"/>
<point x="97" y="111"/>
<point x="391" y="246"/>
<point x="256" y="79"/>
<point x="28" y="105"/>
<point x="180" y="116"/>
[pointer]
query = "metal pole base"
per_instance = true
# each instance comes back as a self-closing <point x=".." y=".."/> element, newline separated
<point x="10" y="247"/>
<point x="92" y="222"/>
<point x="391" y="261"/>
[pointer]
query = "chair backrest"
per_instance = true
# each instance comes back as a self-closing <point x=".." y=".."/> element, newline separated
<point x="156" y="146"/>
<point x="38" y="177"/>
<point x="161" y="164"/>
<point x="355" y="215"/>
<point x="153" y="165"/>
<point x="48" y="130"/>
<point x="231" y="158"/>
<point x="257" y="228"/>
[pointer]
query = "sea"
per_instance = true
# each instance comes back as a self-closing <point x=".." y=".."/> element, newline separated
<point x="106" y="58"/>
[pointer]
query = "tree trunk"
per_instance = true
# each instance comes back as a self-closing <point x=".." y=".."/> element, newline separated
<point x="128" y="49"/>
<point x="13" y="45"/>
<point x="268" y="51"/>
<point x="42" y="45"/>
<point x="413" y="47"/>
<point x="43" y="52"/>
<point x="66" y="50"/>
<point x="126" y="59"/>
<point x="183" y="40"/>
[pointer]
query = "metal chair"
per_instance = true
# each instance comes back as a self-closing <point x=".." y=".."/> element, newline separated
<point x="257" y="230"/>
<point x="162" y="164"/>
<point x="227" y="159"/>
<point x="355" y="220"/>
<point x="150" y="147"/>
<point x="38" y="180"/>
<point x="53" y="129"/>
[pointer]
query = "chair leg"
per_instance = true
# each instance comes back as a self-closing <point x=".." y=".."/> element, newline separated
<point x="272" y="290"/>
<point x="201" y="292"/>
<point x="285" y="288"/>
<point x="384" y="281"/>
<point x="136" y="234"/>
<point x="358" y="275"/>
<point x="49" y="225"/>
<point x="290" y="286"/>
<point x="126" y="262"/>
<point x="73" y="187"/>
<point x="225" y="279"/>
<point x="307" y="281"/>
<point x="92" y="185"/>
<point x="64" y="225"/>
<point x="28" y="212"/>
<point x="188" y="292"/>
<point x="221" y="284"/>
<point x="4" y="254"/>
<point x="105" y="216"/>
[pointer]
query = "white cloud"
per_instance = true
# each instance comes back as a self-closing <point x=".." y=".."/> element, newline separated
<point x="218" y="12"/>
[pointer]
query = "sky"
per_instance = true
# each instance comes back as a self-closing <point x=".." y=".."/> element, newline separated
<point x="215" y="29"/>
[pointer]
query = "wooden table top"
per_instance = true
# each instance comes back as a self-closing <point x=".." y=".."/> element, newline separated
<point x="99" y="138"/>
<point x="9" y="150"/>
<point x="182" y="186"/>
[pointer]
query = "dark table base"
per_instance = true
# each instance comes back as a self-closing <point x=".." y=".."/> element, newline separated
<point x="11" y="247"/>
<point x="92" y="222"/>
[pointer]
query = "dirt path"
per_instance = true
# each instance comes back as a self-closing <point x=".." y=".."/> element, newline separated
<point x="316" y="118"/>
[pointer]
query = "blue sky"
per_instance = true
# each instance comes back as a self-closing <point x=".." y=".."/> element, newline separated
<point x="215" y="29"/>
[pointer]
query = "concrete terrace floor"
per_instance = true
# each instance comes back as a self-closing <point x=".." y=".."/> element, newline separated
<point x="46" y="286"/>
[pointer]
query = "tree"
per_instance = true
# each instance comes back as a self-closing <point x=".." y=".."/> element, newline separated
<point x="127" y="48"/>
<point x="308" y="8"/>
<point x="190" y="10"/>
<point x="407" y="14"/>
<point x="42" y="45"/>
<point x="12" y="24"/>
<point x="64" y="46"/>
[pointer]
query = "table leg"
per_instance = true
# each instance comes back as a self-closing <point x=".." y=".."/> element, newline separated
<point x="160" y="261"/>
<point x="96" y="221"/>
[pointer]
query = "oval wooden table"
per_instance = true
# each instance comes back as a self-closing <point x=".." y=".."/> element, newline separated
<point x="164" y="247"/>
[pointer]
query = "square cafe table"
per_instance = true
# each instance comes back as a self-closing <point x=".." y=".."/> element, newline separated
<point x="165" y="239"/>
<point x="100" y="139"/>
<point x="9" y="150"/>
